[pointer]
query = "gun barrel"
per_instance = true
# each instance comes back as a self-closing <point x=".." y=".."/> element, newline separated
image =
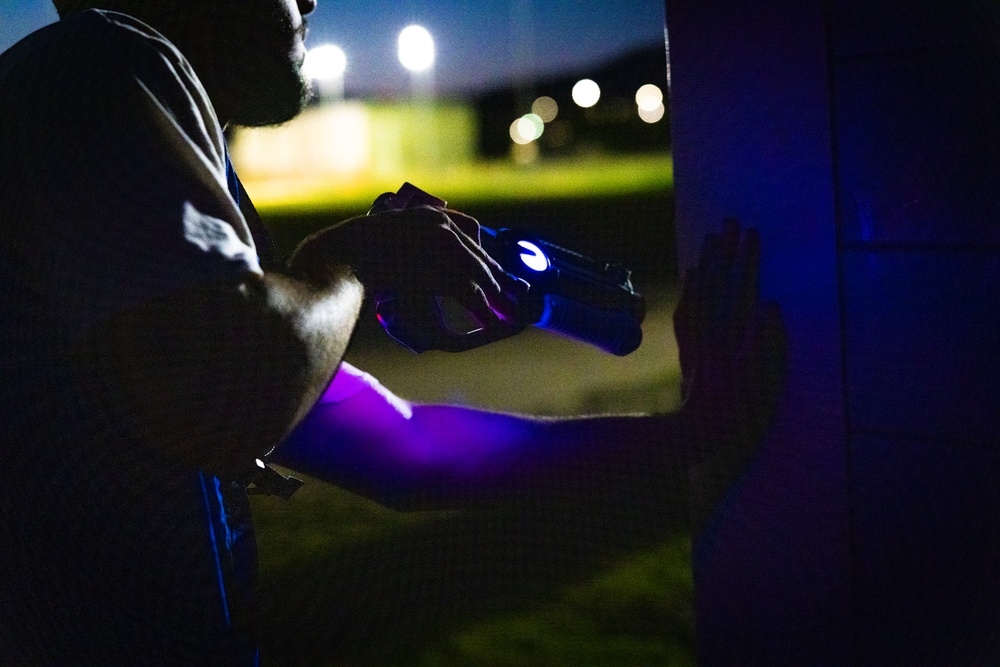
<point x="572" y="294"/>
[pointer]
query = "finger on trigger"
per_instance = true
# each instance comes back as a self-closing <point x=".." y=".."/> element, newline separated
<point x="506" y="283"/>
<point x="473" y="298"/>
<point x="488" y="276"/>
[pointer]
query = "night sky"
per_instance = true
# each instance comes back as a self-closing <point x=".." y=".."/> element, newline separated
<point x="479" y="42"/>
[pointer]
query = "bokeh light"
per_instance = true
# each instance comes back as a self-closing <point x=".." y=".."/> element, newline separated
<point x="416" y="48"/>
<point x="515" y="133"/>
<point x="545" y="108"/>
<point x="531" y="125"/>
<point x="526" y="129"/>
<point x="324" y="62"/>
<point x="649" y="97"/>
<point x="586" y="93"/>
<point x="652" y="115"/>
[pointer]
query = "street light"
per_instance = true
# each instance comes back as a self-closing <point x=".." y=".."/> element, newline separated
<point x="416" y="53"/>
<point x="326" y="65"/>
<point x="416" y="48"/>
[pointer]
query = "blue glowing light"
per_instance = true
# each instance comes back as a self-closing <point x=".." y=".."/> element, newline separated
<point x="534" y="258"/>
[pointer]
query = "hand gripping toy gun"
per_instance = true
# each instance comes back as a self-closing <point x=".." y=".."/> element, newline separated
<point x="569" y="294"/>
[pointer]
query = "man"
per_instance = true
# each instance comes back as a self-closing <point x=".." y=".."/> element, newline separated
<point x="152" y="352"/>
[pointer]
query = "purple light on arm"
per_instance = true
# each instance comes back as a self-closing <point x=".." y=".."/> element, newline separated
<point x="350" y="381"/>
<point x="363" y="437"/>
<point x="465" y="443"/>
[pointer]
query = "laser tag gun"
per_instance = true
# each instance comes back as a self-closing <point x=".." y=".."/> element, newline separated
<point x="569" y="294"/>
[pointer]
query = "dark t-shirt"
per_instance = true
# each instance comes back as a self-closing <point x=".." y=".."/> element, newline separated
<point x="113" y="191"/>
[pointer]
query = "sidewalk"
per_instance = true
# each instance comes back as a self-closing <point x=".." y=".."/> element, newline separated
<point x="535" y="372"/>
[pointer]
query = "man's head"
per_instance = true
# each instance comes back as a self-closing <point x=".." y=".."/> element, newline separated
<point x="66" y="7"/>
<point x="247" y="53"/>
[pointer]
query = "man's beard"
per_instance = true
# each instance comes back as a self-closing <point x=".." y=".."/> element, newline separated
<point x="266" y="82"/>
<point x="269" y="94"/>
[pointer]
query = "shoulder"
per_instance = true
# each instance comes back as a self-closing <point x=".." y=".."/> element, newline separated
<point x="93" y="55"/>
<point x="87" y="38"/>
<point x="99" y="72"/>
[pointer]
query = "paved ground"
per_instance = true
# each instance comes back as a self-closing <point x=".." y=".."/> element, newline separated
<point x="535" y="372"/>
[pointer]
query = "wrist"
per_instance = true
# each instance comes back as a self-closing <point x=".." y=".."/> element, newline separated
<point x="327" y="257"/>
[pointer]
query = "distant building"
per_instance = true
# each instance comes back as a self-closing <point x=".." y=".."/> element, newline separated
<point x="357" y="140"/>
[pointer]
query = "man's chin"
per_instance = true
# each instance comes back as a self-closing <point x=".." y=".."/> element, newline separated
<point x="274" y="106"/>
<point x="266" y="117"/>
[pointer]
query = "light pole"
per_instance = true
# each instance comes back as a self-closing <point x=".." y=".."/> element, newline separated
<point x="416" y="53"/>
<point x="326" y="65"/>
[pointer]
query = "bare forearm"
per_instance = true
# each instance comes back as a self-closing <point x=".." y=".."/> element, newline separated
<point x="322" y="321"/>
<point x="443" y="456"/>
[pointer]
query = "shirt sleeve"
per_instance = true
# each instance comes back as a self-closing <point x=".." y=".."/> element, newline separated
<point x="121" y="163"/>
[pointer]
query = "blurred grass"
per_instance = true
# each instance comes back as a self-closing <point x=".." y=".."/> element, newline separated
<point x="637" y="612"/>
<point x="344" y="582"/>
<point x="491" y="183"/>
<point x="596" y="581"/>
<point x="585" y="582"/>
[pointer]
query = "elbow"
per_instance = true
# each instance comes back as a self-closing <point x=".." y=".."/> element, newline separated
<point x="215" y="377"/>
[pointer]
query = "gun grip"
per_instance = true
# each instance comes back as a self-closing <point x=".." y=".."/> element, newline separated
<point x="431" y="323"/>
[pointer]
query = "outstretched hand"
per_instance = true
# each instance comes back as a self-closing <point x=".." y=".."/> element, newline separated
<point x="733" y="355"/>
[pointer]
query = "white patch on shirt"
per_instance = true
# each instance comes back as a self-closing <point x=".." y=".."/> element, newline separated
<point x="215" y="236"/>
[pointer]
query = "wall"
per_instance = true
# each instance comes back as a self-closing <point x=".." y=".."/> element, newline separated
<point x="862" y="140"/>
